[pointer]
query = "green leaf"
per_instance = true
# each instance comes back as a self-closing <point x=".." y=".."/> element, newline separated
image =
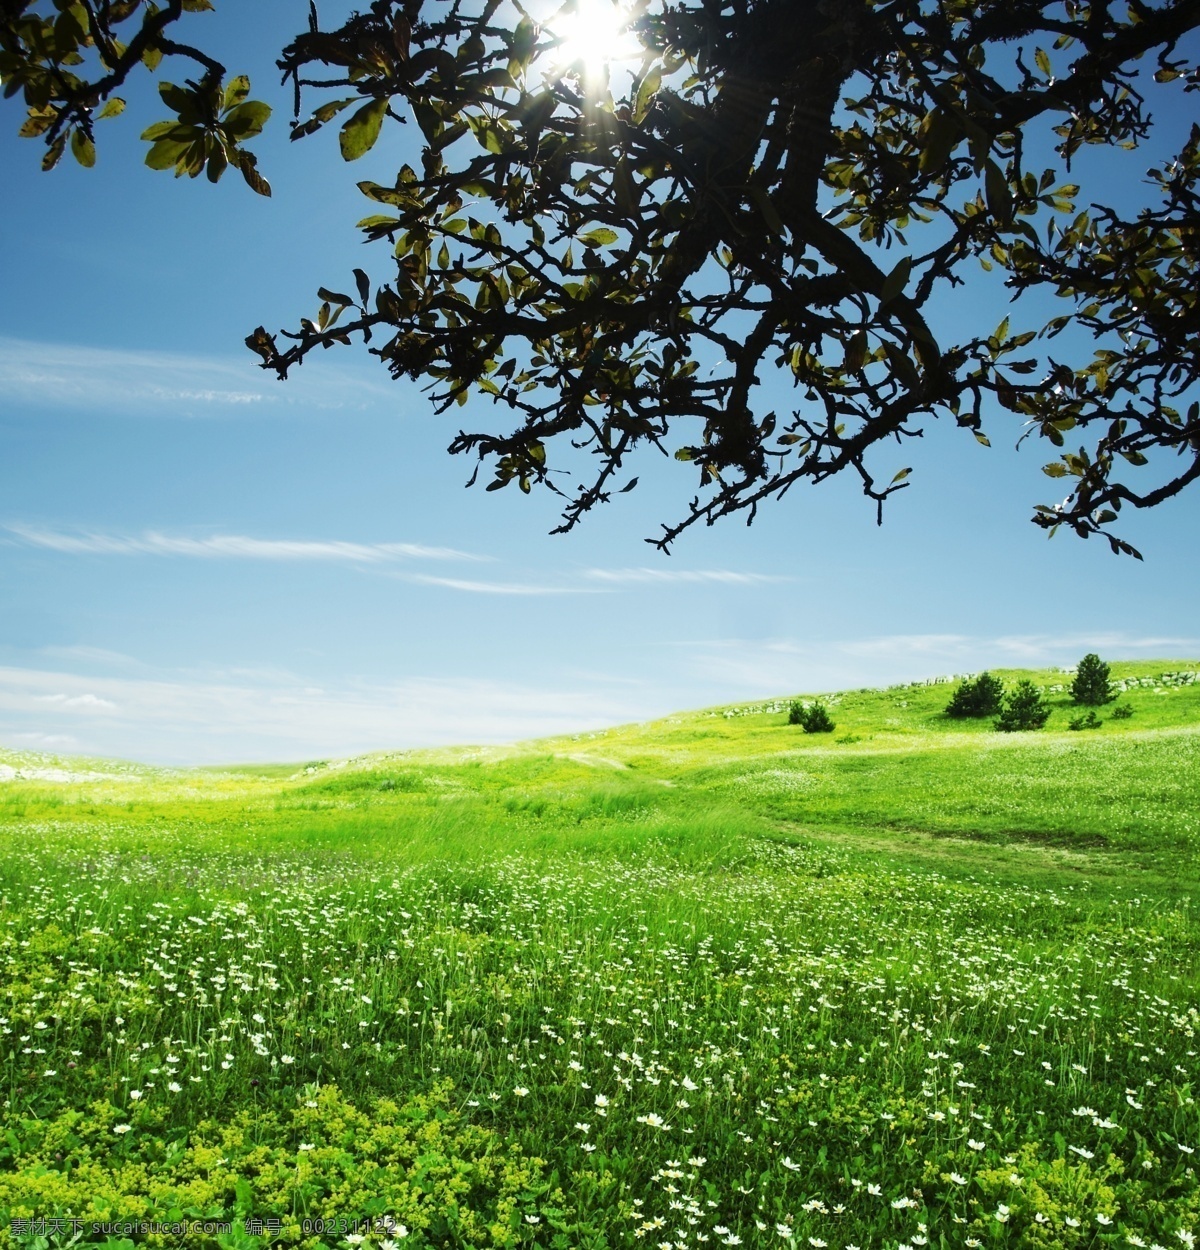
<point x="521" y="46"/>
<point x="940" y="133"/>
<point x="647" y="90"/>
<point x="1054" y="469"/>
<point x="54" y="152"/>
<point x="1043" y="62"/>
<point x="113" y="108"/>
<point x="218" y="162"/>
<point x="192" y="162"/>
<point x="901" y="476"/>
<point x="236" y="90"/>
<point x="248" y="164"/>
<point x="166" y="153"/>
<point x="484" y="131"/>
<point x="358" y="135"/>
<point x="246" y="120"/>
<point x="37" y="123"/>
<point x="999" y="197"/>
<point x="83" y="149"/>
<point x="600" y="237"/>
<point x="903" y="366"/>
<point x="896" y="281"/>
<point x="856" y="352"/>
<point x="168" y="130"/>
<point x="179" y="100"/>
<point x="333" y="297"/>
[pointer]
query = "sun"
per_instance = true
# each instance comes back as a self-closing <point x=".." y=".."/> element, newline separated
<point x="592" y="34"/>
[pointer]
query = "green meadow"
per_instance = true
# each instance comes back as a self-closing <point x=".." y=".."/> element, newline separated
<point x="703" y="982"/>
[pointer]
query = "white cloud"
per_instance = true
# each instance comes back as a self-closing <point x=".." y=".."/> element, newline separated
<point x="650" y="576"/>
<point x="230" y="546"/>
<point x="90" y="379"/>
<point x="87" y="702"/>
<point x="745" y="668"/>
<point x="220" y="719"/>
<point x="248" y="714"/>
<point x="498" y="588"/>
<point x="48" y="741"/>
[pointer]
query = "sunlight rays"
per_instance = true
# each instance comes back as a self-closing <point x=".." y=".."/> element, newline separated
<point x="593" y="34"/>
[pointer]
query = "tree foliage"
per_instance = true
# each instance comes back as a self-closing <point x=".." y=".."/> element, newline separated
<point x="1024" y="708"/>
<point x="980" y="697"/>
<point x="813" y="717"/>
<point x="1091" y="685"/>
<point x="773" y="187"/>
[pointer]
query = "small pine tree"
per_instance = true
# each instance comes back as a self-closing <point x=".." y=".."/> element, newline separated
<point x="980" y="697"/>
<point x="962" y="701"/>
<point x="813" y="719"/>
<point x="1090" y="721"/>
<point x="1090" y="686"/>
<point x="989" y="691"/>
<point x="1023" y="709"/>
<point x="1123" y="711"/>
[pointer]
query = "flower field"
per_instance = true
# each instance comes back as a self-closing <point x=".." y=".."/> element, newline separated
<point x="700" y="983"/>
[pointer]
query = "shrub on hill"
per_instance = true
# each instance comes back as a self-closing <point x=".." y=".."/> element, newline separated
<point x="1091" y="685"/>
<point x="1090" y="721"/>
<point x="1123" y="711"/>
<point x="980" y="697"/>
<point x="1023" y="709"/>
<point x="813" y="718"/>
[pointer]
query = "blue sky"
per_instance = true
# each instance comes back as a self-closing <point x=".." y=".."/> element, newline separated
<point x="199" y="564"/>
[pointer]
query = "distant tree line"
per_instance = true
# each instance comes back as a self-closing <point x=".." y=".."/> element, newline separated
<point x="1025" y="707"/>
<point x="1022" y="708"/>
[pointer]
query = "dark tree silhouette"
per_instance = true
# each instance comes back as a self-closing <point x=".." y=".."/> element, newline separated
<point x="1024" y="708"/>
<point x="780" y="186"/>
<point x="1091" y="685"/>
<point x="813" y="717"/>
<point x="980" y="697"/>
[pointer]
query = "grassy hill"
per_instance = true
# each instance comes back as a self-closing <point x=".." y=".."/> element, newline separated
<point x="702" y="981"/>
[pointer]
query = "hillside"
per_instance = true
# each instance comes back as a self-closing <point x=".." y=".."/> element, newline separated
<point x="705" y="981"/>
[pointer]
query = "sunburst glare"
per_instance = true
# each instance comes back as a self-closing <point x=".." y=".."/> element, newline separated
<point x="592" y="35"/>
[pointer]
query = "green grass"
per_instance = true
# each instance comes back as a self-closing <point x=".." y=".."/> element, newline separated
<point x="703" y="982"/>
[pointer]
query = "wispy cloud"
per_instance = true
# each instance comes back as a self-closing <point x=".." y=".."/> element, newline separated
<point x="230" y="546"/>
<point x="91" y="379"/>
<point x="499" y="588"/>
<point x="214" y="716"/>
<point x="85" y="702"/>
<point x="644" y="576"/>
<point x="193" y="719"/>
<point x="755" y="667"/>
